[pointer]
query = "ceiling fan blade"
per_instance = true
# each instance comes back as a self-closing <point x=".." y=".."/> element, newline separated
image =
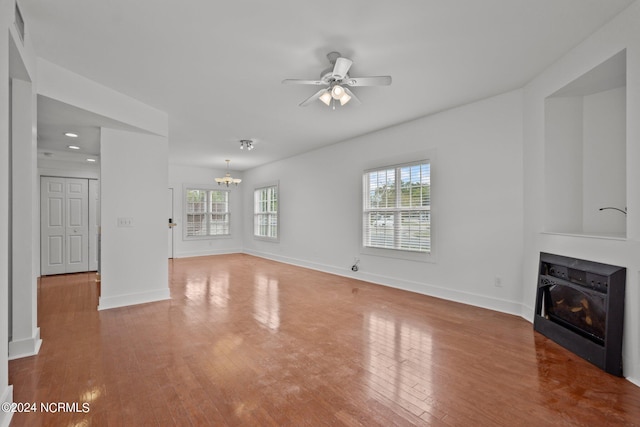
<point x="341" y="68"/>
<point x="303" y="82"/>
<point x="312" y="98"/>
<point x="353" y="97"/>
<point x="368" y="81"/>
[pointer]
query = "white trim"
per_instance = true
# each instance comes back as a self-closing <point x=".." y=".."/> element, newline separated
<point x="25" y="347"/>
<point x="634" y="381"/>
<point x="398" y="254"/>
<point x="206" y="252"/>
<point x="133" y="299"/>
<point x="527" y="313"/>
<point x="428" y="156"/>
<point x="276" y="239"/>
<point x="204" y="187"/>
<point x="7" y="396"/>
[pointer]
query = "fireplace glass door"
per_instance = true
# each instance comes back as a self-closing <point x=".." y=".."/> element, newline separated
<point x="579" y="309"/>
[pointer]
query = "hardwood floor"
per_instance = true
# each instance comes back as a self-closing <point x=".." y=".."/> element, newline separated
<point x="247" y="341"/>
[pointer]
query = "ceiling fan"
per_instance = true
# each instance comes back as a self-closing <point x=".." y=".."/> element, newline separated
<point x="337" y="82"/>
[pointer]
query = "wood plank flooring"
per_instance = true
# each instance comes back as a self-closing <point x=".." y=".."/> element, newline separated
<point x="251" y="342"/>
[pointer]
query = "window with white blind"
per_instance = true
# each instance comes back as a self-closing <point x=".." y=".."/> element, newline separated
<point x="265" y="212"/>
<point x="206" y="213"/>
<point x="397" y="208"/>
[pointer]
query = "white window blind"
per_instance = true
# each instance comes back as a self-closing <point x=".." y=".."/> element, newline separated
<point x="265" y="212"/>
<point x="207" y="212"/>
<point x="397" y="207"/>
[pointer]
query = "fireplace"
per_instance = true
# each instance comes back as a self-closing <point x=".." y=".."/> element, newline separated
<point x="580" y="305"/>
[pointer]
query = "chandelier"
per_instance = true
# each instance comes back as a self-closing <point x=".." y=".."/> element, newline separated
<point x="227" y="179"/>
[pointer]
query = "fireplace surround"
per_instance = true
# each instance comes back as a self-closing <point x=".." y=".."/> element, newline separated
<point x="580" y="305"/>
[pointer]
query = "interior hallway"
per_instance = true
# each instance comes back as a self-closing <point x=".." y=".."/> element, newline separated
<point x="248" y="341"/>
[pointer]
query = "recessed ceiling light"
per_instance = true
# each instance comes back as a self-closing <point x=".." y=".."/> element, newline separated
<point x="73" y="147"/>
<point x="71" y="134"/>
<point x="91" y="160"/>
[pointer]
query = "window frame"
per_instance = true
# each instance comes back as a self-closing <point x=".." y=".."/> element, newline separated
<point x="208" y="189"/>
<point x="258" y="188"/>
<point x="400" y="253"/>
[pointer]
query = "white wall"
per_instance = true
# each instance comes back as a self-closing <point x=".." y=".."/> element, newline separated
<point x="66" y="86"/>
<point x="68" y="169"/>
<point x="25" y="334"/>
<point x="476" y="153"/>
<point x="623" y="32"/>
<point x="604" y="175"/>
<point x="6" y="20"/>
<point x="134" y="182"/>
<point x="179" y="176"/>
<point x="563" y="161"/>
<point x="585" y="149"/>
<point x="18" y="61"/>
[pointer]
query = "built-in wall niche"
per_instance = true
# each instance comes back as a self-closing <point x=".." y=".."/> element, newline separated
<point x="585" y="153"/>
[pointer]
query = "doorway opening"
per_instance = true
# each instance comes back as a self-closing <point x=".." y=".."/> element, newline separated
<point x="69" y="225"/>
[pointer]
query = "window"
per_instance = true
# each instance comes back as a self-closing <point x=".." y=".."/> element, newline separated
<point x="393" y="219"/>
<point x="207" y="212"/>
<point x="265" y="212"/>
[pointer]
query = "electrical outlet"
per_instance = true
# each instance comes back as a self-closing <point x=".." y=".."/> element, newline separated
<point x="497" y="282"/>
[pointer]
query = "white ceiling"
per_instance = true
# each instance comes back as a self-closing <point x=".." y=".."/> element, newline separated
<point x="216" y="67"/>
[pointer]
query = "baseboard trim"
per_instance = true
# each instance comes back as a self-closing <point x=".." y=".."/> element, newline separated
<point x="25" y="347"/>
<point x="117" y="301"/>
<point x="634" y="381"/>
<point x="527" y="313"/>
<point x="495" y="304"/>
<point x="207" y="252"/>
<point x="7" y="396"/>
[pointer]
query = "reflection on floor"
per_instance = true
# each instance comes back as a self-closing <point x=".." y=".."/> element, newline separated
<point x="247" y="341"/>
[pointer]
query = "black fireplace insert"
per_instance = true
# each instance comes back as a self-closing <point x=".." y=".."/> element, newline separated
<point x="580" y="305"/>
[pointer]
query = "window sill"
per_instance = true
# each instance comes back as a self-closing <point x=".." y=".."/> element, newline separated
<point x="196" y="238"/>
<point x="267" y="239"/>
<point x="427" y="257"/>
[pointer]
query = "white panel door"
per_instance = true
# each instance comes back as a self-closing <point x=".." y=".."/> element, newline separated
<point x="94" y="223"/>
<point x="64" y="225"/>
<point x="77" y="225"/>
<point x="52" y="225"/>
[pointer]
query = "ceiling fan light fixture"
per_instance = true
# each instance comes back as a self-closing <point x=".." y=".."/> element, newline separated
<point x="326" y="98"/>
<point x="338" y="83"/>
<point x="337" y="92"/>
